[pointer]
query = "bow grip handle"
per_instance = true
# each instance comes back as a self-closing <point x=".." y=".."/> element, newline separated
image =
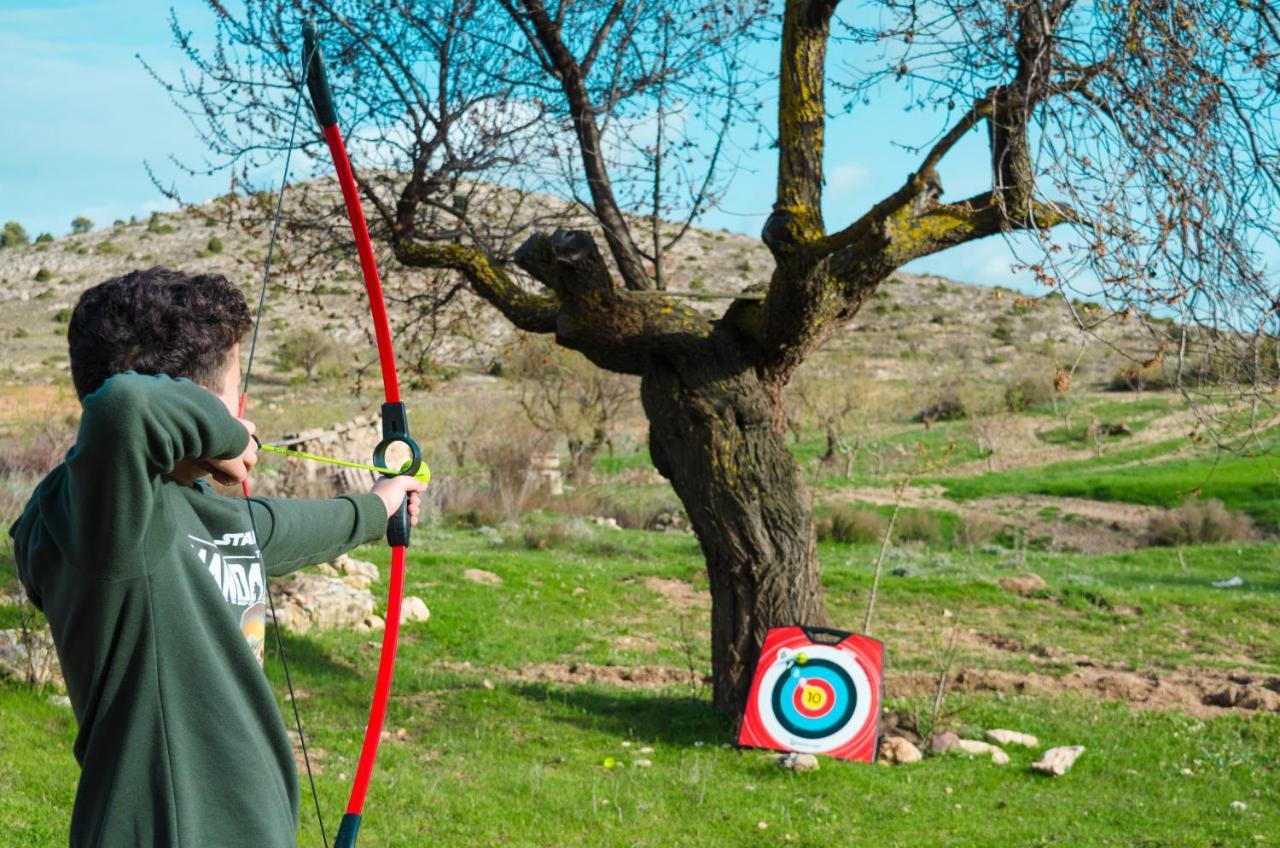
<point x="395" y="430"/>
<point x="317" y="79"/>
<point x="347" y="831"/>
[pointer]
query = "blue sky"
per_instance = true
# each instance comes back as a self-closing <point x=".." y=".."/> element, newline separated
<point x="79" y="116"/>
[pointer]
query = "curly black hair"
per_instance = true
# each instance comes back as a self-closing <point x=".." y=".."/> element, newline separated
<point x="157" y="321"/>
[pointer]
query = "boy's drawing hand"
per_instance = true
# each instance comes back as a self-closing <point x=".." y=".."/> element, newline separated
<point x="236" y="470"/>
<point x="393" y="491"/>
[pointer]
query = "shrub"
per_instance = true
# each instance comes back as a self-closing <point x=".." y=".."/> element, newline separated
<point x="44" y="238"/>
<point x="1199" y="522"/>
<point x="13" y="234"/>
<point x="157" y="225"/>
<point x="215" y="245"/>
<point x="918" y="526"/>
<point x="309" y="349"/>
<point x="107" y="248"/>
<point x="62" y="316"/>
<point x="44" y="275"/>
<point x="1137" y="379"/>
<point x="1003" y="333"/>
<point x="1028" y="391"/>
<point x="852" y="525"/>
<point x="81" y="225"/>
<point x="948" y="407"/>
<point x="975" y="531"/>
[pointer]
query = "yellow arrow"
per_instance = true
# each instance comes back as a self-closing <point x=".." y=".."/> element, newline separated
<point x="424" y="473"/>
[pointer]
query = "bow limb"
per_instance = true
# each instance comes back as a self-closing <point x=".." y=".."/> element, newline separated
<point x="395" y="430"/>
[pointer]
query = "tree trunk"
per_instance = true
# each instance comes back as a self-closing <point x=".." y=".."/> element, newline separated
<point x="829" y="458"/>
<point x="583" y="456"/>
<point x="715" y="433"/>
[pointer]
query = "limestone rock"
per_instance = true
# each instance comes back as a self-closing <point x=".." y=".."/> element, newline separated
<point x="372" y="624"/>
<point x="942" y="742"/>
<point x="897" y="750"/>
<point x="1024" y="584"/>
<point x="979" y="748"/>
<point x="413" y="608"/>
<point x="479" y="575"/>
<point x="798" y="762"/>
<point x="1057" y="761"/>
<point x="351" y="566"/>
<point x="30" y="657"/>
<point x="304" y="601"/>
<point x="1013" y="737"/>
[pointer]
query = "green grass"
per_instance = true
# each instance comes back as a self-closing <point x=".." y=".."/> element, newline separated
<point x="522" y="763"/>
<point x="1245" y="484"/>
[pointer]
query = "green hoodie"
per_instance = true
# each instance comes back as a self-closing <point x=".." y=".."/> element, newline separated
<point x="154" y="593"/>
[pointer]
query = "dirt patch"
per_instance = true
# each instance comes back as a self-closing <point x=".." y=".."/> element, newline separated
<point x="1197" y="691"/>
<point x="678" y="593"/>
<point x="639" y="644"/>
<point x="1070" y="524"/>
<point x="1201" y="692"/>
<point x="624" y="677"/>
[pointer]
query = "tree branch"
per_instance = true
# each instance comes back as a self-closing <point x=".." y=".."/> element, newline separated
<point x="614" y="328"/>
<point x="535" y="313"/>
<point x="797" y="209"/>
<point x="605" y="206"/>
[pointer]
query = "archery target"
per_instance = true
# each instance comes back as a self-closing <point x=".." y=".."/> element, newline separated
<point x="815" y="698"/>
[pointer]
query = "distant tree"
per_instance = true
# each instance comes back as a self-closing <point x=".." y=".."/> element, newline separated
<point x="563" y="393"/>
<point x="13" y="234"/>
<point x="846" y="408"/>
<point x="44" y="238"/>
<point x="309" y="349"/>
<point x="1132" y="148"/>
<point x="81" y="225"/>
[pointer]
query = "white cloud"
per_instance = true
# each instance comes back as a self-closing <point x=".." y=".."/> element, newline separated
<point x="848" y="177"/>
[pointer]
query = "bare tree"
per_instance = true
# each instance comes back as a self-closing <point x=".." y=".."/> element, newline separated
<point x="846" y="408"/>
<point x="561" y="392"/>
<point x="1143" y="131"/>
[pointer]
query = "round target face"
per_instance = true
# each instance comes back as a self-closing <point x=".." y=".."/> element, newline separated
<point x="815" y="701"/>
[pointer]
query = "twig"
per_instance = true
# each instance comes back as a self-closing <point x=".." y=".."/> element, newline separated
<point x="884" y="546"/>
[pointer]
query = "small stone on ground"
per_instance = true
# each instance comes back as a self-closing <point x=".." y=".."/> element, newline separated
<point x="897" y="750"/>
<point x="1057" y="761"/>
<point x="979" y="748"/>
<point x="942" y="742"/>
<point x="414" y="608"/>
<point x="1024" y="585"/>
<point x="479" y="575"/>
<point x="798" y="762"/>
<point x="1013" y="737"/>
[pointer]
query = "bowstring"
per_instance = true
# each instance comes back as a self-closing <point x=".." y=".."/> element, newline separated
<point x="244" y="394"/>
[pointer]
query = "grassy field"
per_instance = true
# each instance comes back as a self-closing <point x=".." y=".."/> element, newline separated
<point x="496" y="741"/>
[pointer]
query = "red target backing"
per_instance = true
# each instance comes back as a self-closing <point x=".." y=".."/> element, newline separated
<point x="816" y="691"/>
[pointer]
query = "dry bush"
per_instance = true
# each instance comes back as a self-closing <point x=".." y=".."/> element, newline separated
<point x="1028" y="390"/>
<point x="1132" y="378"/>
<point x="37" y="456"/>
<point x="974" y="531"/>
<point x="919" y="526"/>
<point x="852" y="525"/>
<point x="641" y="509"/>
<point x="22" y="465"/>
<point x="1199" y="522"/>
<point x="947" y="407"/>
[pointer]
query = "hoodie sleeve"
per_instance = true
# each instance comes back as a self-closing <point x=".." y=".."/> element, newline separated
<point x="297" y="532"/>
<point x="133" y="430"/>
